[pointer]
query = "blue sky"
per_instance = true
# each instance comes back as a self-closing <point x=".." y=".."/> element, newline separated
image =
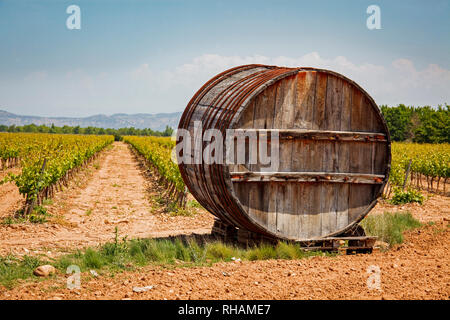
<point x="151" y="56"/>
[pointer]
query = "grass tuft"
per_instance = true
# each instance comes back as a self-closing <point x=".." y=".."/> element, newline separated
<point x="13" y="269"/>
<point x="123" y="254"/>
<point x="389" y="227"/>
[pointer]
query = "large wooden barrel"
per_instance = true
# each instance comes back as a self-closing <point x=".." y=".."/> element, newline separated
<point x="334" y="151"/>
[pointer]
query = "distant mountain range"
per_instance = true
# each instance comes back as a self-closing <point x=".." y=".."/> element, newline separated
<point x="120" y="120"/>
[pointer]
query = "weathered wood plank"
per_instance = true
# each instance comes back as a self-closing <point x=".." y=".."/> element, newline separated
<point x="360" y="157"/>
<point x="343" y="150"/>
<point x="304" y="204"/>
<point x="263" y="105"/>
<point x="357" y="113"/>
<point x="347" y="89"/>
<point x="380" y="158"/>
<point x="288" y="104"/>
<point x="299" y="203"/>
<point x="319" y="158"/>
<point x="256" y="203"/>
<point x="287" y="218"/>
<point x="303" y="121"/>
<point x="281" y="201"/>
<point x="259" y="120"/>
<point x="314" y="213"/>
<point x="330" y="177"/>
<point x="330" y="135"/>
<point x="341" y="200"/>
<point x="281" y="94"/>
<point x="342" y="206"/>
<point x="306" y="90"/>
<point x="272" y="196"/>
<point x="328" y="208"/>
<point x="320" y="98"/>
<point x="359" y="199"/>
<point x="359" y="194"/>
<point x="333" y="103"/>
<point x="367" y="115"/>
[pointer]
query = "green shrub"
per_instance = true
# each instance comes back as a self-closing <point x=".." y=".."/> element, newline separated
<point x="39" y="215"/>
<point x="402" y="197"/>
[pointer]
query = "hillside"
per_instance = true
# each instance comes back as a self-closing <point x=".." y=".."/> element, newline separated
<point x="120" y="120"/>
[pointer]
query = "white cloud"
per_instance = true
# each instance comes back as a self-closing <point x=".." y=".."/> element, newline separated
<point x="141" y="89"/>
<point x="399" y="82"/>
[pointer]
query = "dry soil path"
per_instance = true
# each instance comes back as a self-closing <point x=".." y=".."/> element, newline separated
<point x="10" y="198"/>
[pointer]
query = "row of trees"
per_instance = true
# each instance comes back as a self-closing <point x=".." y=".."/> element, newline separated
<point x="418" y="124"/>
<point x="32" y="128"/>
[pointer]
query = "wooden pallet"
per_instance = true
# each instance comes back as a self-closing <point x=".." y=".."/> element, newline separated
<point x="351" y="245"/>
<point x="224" y="231"/>
<point x="348" y="244"/>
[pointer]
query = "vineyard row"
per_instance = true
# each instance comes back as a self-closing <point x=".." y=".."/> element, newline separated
<point x="48" y="161"/>
<point x="428" y="164"/>
<point x="157" y="152"/>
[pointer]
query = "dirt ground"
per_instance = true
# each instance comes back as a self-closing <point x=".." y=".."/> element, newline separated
<point x="10" y="199"/>
<point x="113" y="192"/>
<point x="435" y="208"/>
<point x="417" y="269"/>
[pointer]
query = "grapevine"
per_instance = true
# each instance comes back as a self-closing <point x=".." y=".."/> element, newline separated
<point x="47" y="161"/>
<point x="429" y="163"/>
<point x="157" y="151"/>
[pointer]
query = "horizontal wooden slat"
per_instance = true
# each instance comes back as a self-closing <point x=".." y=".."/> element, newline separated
<point x="307" y="177"/>
<point x="360" y="238"/>
<point x="335" y="248"/>
<point x="320" y="134"/>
